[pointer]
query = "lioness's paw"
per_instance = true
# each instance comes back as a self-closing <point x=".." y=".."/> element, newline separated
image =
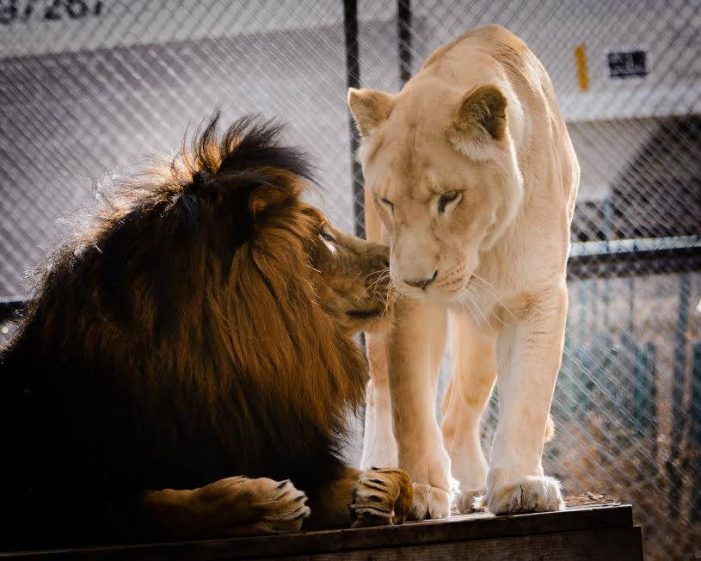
<point x="381" y="496"/>
<point x="243" y="506"/>
<point x="531" y="494"/>
<point x="429" y="502"/>
<point x="468" y="501"/>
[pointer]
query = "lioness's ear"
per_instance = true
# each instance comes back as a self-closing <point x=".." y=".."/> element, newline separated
<point x="369" y="108"/>
<point x="482" y="112"/>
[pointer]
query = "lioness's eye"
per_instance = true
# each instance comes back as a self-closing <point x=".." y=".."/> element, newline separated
<point x="446" y="198"/>
<point x="389" y="204"/>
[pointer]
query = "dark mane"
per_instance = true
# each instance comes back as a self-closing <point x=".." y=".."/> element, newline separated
<point x="248" y="143"/>
<point x="163" y="335"/>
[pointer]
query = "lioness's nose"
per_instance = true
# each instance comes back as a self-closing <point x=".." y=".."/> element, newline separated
<point x="422" y="283"/>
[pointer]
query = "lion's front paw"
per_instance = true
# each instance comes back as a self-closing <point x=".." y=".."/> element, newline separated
<point x="381" y="496"/>
<point x="429" y="502"/>
<point x="468" y="501"/>
<point x="242" y="506"/>
<point x="531" y="494"/>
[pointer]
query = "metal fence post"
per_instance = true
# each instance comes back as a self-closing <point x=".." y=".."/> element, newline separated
<point x="350" y="28"/>
<point x="695" y="434"/>
<point x="679" y="415"/>
<point x="404" y="37"/>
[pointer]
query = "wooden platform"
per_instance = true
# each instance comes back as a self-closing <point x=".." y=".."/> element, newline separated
<point x="582" y="533"/>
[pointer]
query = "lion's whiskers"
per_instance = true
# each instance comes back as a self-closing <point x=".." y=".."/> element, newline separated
<point x="380" y="276"/>
<point x="375" y="286"/>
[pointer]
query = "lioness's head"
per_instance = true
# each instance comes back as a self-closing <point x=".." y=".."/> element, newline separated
<point x="440" y="168"/>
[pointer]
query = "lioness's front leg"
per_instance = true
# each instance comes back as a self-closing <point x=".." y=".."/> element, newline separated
<point x="529" y="353"/>
<point x="379" y="444"/>
<point x="415" y="348"/>
<point x="232" y="507"/>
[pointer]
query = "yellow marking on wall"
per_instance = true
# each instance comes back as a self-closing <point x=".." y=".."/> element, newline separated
<point x="580" y="57"/>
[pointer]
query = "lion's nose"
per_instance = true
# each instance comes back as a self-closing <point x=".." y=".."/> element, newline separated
<point x="422" y="283"/>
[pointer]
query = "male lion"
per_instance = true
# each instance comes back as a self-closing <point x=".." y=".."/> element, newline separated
<point x="197" y="334"/>
<point x="471" y="177"/>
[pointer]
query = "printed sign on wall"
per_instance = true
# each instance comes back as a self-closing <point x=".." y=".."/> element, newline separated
<point x="627" y="64"/>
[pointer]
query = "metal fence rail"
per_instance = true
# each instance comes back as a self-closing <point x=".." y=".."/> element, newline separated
<point x="88" y="87"/>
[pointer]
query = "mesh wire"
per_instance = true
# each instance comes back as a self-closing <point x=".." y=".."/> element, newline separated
<point x="87" y="88"/>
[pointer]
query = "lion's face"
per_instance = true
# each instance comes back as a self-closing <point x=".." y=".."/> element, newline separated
<point x="442" y="175"/>
<point x="353" y="280"/>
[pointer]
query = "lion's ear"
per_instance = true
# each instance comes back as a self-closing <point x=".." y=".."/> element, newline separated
<point x="267" y="196"/>
<point x="482" y="115"/>
<point x="369" y="108"/>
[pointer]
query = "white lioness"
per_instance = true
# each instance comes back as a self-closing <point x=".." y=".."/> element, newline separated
<point x="471" y="178"/>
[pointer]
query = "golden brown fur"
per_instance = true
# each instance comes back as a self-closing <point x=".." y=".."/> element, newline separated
<point x="182" y="354"/>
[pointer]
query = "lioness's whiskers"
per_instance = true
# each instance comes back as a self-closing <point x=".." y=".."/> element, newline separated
<point x="489" y="287"/>
<point x="476" y="306"/>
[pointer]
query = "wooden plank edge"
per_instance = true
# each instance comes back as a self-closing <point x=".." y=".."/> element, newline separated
<point x="456" y="529"/>
<point x="621" y="544"/>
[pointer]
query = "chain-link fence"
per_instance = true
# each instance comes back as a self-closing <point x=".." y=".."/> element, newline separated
<point x="88" y="87"/>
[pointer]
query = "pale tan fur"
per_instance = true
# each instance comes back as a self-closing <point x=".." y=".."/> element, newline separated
<point x="471" y="178"/>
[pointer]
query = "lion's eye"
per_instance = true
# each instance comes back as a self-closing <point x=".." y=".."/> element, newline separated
<point x="326" y="236"/>
<point x="446" y="198"/>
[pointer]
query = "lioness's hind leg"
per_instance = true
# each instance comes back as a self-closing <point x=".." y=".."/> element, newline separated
<point x="381" y="496"/>
<point x="234" y="506"/>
